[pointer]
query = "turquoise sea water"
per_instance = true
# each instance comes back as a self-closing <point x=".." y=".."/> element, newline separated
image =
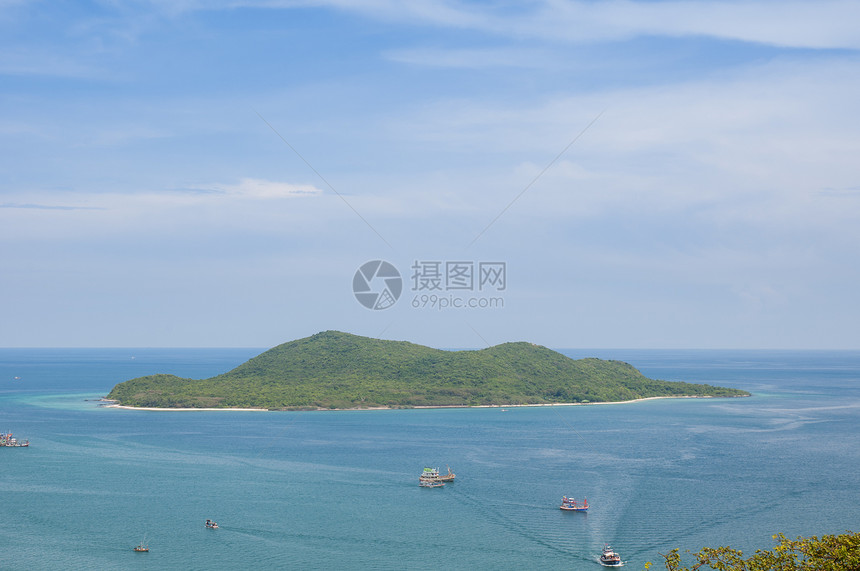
<point x="337" y="490"/>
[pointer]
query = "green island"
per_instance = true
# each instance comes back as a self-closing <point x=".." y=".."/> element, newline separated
<point x="334" y="370"/>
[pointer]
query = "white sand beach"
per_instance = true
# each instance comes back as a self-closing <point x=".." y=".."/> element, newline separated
<point x="164" y="409"/>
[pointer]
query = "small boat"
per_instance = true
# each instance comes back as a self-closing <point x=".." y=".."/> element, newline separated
<point x="142" y="547"/>
<point x="571" y="505"/>
<point x="449" y="477"/>
<point x="210" y="524"/>
<point x="609" y="558"/>
<point x="430" y="478"/>
<point x="6" y="439"/>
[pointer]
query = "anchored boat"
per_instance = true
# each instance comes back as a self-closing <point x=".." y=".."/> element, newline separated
<point x="6" y="439"/>
<point x="430" y="478"/>
<point x="449" y="477"/>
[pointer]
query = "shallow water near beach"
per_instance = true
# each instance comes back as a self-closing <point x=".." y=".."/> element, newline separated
<point x="332" y="490"/>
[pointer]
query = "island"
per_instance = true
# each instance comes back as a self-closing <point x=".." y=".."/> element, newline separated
<point x="335" y="370"/>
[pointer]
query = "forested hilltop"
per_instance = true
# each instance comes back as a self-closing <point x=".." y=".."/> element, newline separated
<point x="335" y="370"/>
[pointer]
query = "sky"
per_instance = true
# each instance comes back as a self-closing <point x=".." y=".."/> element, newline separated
<point x="577" y="174"/>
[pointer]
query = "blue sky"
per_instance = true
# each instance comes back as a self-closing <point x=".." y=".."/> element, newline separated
<point x="183" y="173"/>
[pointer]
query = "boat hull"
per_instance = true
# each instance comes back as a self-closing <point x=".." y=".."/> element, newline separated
<point x="431" y="484"/>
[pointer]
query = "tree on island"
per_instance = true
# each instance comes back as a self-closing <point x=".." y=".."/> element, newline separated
<point x="829" y="553"/>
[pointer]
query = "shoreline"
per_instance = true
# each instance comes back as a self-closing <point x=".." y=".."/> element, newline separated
<point x="369" y="408"/>
<point x="154" y="408"/>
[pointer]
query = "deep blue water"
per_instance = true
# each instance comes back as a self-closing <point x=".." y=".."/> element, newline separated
<point x="336" y="490"/>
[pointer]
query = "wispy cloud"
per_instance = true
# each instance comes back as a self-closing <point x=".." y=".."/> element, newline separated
<point x="222" y="198"/>
<point x="47" y="206"/>
<point x="472" y="58"/>
<point x="38" y="62"/>
<point x="824" y="24"/>
<point x="828" y="24"/>
<point x="266" y="189"/>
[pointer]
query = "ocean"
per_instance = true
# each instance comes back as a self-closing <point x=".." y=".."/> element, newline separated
<point x="338" y="489"/>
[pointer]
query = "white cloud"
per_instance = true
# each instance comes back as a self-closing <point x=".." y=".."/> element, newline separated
<point x="824" y="24"/>
<point x="797" y="23"/>
<point x="266" y="190"/>
<point x="784" y="130"/>
<point x="251" y="205"/>
<point x="471" y="58"/>
<point x="828" y="24"/>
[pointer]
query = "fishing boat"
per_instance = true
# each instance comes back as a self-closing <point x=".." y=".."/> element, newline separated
<point x="609" y="558"/>
<point x="210" y="524"/>
<point x="449" y="477"/>
<point x="430" y="478"/>
<point x="6" y="439"/>
<point x="571" y="505"/>
<point x="142" y="547"/>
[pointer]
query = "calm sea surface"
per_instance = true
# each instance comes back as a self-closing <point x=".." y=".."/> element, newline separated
<point x="338" y="490"/>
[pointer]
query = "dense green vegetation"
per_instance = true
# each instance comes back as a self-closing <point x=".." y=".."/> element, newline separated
<point x="829" y="553"/>
<point x="339" y="370"/>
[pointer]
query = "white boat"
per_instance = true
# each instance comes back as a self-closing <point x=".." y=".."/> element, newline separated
<point x="211" y="524"/>
<point x="609" y="558"/>
<point x="430" y="478"/>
